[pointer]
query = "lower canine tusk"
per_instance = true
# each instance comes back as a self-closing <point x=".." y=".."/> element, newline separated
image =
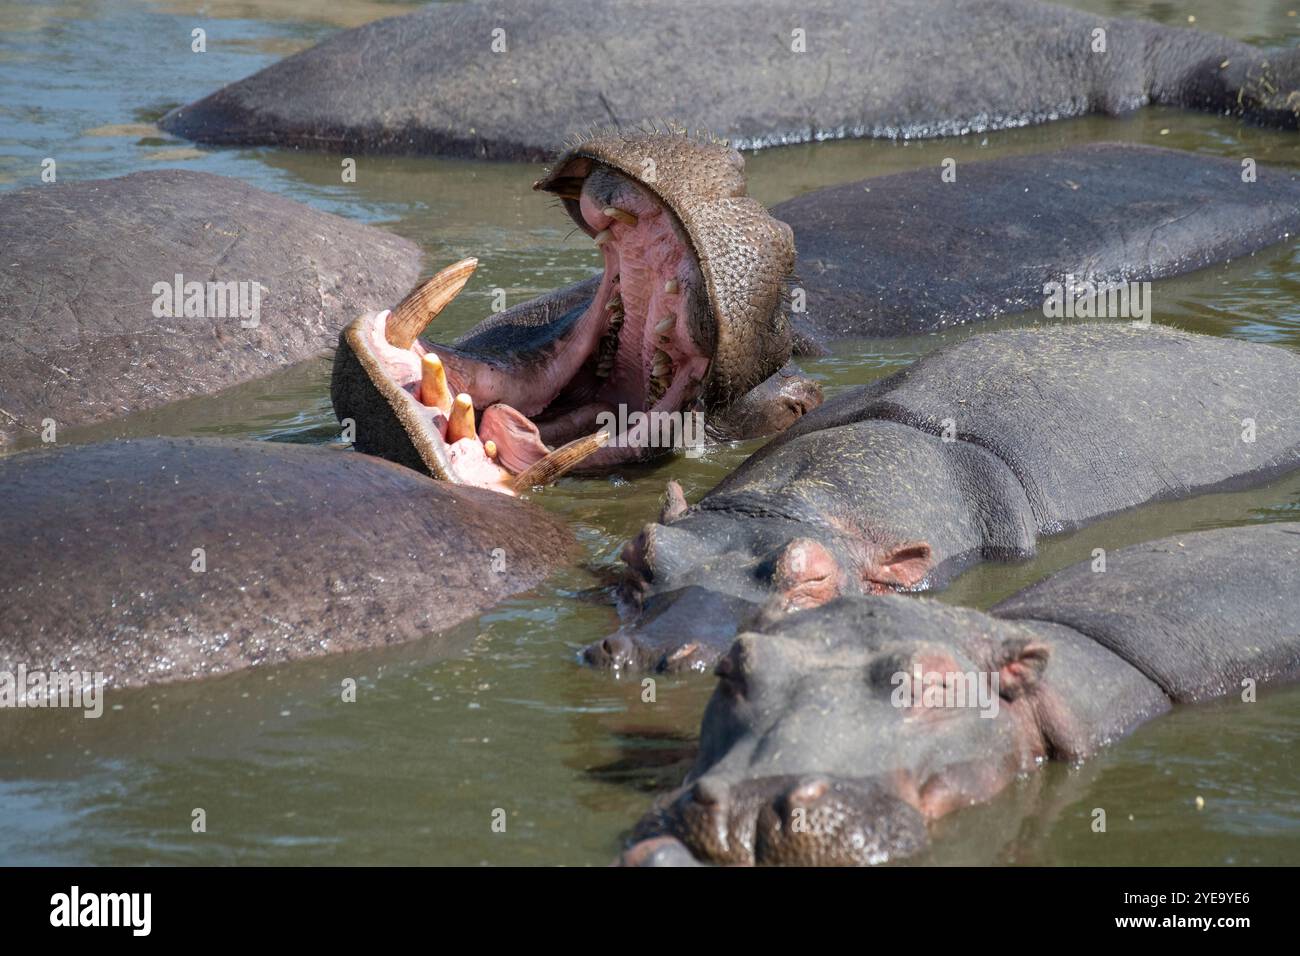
<point x="558" y="462"/>
<point x="417" y="310"/>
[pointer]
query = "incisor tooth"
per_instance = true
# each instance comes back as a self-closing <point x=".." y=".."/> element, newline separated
<point x="490" y="448"/>
<point x="622" y="215"/>
<point x="665" y="324"/>
<point x="460" y="423"/>
<point x="600" y="237"/>
<point x="433" y="384"/>
<point x="671" y="286"/>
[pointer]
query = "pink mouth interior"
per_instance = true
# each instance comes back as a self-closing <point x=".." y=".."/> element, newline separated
<point x="606" y="360"/>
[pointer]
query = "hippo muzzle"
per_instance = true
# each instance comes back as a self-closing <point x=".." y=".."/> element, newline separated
<point x="685" y="318"/>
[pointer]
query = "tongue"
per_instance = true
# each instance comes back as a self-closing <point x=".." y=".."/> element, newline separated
<point x="518" y="443"/>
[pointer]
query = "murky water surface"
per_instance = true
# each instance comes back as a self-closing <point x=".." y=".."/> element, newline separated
<point x="498" y="714"/>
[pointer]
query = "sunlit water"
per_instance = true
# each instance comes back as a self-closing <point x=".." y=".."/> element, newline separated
<point x="498" y="714"/>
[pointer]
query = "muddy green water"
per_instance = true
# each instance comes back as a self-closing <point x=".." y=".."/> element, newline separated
<point x="498" y="714"/>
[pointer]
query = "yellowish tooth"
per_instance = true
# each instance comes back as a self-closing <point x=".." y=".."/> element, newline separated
<point x="460" y="423"/>
<point x="421" y="305"/>
<point x="600" y="237"/>
<point x="558" y="462"/>
<point x="490" y="448"/>
<point x="433" y="384"/>
<point x="665" y="324"/>
<point x="671" y="286"/>
<point x="622" y="215"/>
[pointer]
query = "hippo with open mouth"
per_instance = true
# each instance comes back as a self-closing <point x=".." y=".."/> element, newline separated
<point x="970" y="454"/>
<point x="686" y="318"/>
<point x="836" y="735"/>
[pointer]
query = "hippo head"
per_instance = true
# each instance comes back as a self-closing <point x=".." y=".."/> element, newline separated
<point x="836" y="734"/>
<point x="697" y="576"/>
<point x="686" y="317"/>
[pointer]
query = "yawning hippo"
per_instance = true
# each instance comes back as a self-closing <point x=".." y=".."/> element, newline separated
<point x="971" y="453"/>
<point x="120" y="295"/>
<point x="836" y="734"/>
<point x="509" y="81"/>
<point x="910" y="253"/>
<point x="163" y="560"/>
<point x="687" y="319"/>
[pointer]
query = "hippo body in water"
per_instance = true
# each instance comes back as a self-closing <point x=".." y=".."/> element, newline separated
<point x="969" y="454"/>
<point x="837" y="734"/>
<point x="304" y="552"/>
<point x="497" y="80"/>
<point x="687" y="324"/>
<point x="908" y="254"/>
<point x="94" y="326"/>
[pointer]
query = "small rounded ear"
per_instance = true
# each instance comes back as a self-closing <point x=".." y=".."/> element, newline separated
<point x="805" y="574"/>
<point x="903" y="565"/>
<point x="673" y="504"/>
<point x="1020" y="663"/>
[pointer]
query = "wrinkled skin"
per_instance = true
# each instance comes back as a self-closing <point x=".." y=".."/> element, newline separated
<point x="994" y="237"/>
<point x="687" y="318"/>
<point x="1052" y="428"/>
<point x="809" y="756"/>
<point x="80" y="342"/>
<point x="433" y="83"/>
<point x="307" y="551"/>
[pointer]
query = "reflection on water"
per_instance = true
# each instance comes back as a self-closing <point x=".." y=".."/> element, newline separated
<point x="498" y="714"/>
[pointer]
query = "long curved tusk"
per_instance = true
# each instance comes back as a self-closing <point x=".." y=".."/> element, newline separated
<point x="555" y="464"/>
<point x="417" y="310"/>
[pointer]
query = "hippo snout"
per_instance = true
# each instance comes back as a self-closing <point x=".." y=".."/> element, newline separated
<point x="616" y="652"/>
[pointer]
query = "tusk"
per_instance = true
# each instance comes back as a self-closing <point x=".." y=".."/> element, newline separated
<point x="665" y="324"/>
<point x="460" y="423"/>
<point x="622" y="215"/>
<point x="558" y="462"/>
<point x="433" y="384"/>
<point x="671" y="286"/>
<point x="417" y="310"/>
<point x="600" y="237"/>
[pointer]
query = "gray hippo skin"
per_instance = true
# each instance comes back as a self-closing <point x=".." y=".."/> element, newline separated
<point x="80" y="342"/>
<point x="908" y="253"/>
<point x="688" y="316"/>
<point x="812" y="753"/>
<point x="969" y="454"/>
<point x="508" y="81"/>
<point x="307" y="551"/>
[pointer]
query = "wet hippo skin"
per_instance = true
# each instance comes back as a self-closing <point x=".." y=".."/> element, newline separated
<point x="80" y="342"/>
<point x="969" y="454"/>
<point x="908" y="254"/>
<point x="307" y="551"/>
<point x="809" y="754"/>
<point x="432" y="81"/>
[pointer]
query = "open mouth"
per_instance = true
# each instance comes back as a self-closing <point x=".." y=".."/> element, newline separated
<point x="684" y="315"/>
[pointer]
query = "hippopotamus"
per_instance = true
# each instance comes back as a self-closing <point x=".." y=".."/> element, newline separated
<point x="497" y="80"/>
<point x="837" y="734"/>
<point x="686" y="320"/>
<point x="124" y="294"/>
<point x="162" y="560"/>
<point x="909" y="253"/>
<point x="969" y="454"/>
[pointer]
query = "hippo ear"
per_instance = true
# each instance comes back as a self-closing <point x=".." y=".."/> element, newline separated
<point x="805" y="574"/>
<point x="673" y="505"/>
<point x="903" y="566"/>
<point x="1020" y="663"/>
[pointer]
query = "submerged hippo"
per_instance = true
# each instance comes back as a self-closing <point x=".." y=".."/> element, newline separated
<point x="505" y="81"/>
<point x="686" y="321"/>
<point x="969" y="454"/>
<point x="164" y="560"/>
<point x="124" y="294"/>
<point x="908" y="253"/>
<point x="837" y="734"/>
